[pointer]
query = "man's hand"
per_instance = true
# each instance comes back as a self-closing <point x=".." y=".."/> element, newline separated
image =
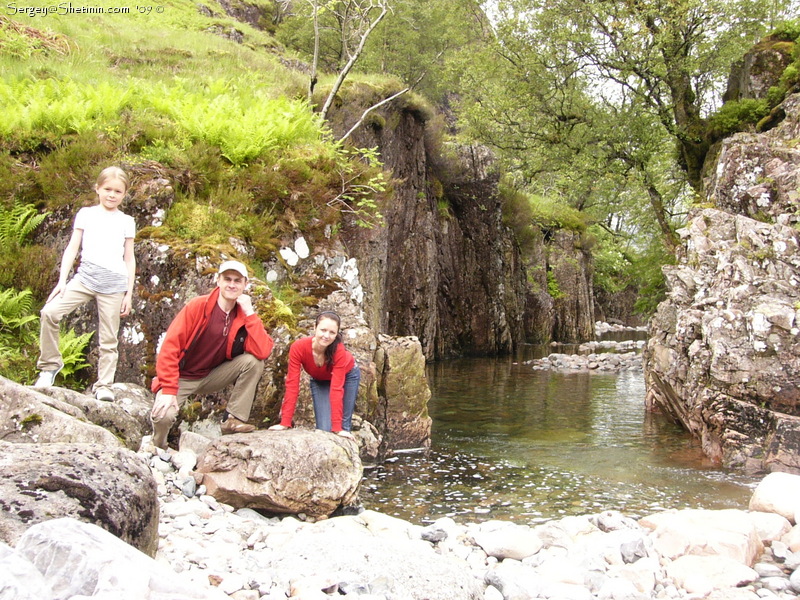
<point x="246" y="303"/>
<point x="162" y="404"/>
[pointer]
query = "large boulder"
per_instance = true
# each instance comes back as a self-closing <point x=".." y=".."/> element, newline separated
<point x="778" y="493"/>
<point x="110" y="487"/>
<point x="66" y="558"/>
<point x="293" y="471"/>
<point x="29" y="416"/>
<point x="728" y="533"/>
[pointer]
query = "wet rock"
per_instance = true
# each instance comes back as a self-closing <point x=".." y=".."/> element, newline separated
<point x="607" y="362"/>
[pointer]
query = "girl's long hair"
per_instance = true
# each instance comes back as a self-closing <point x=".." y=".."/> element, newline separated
<point x="330" y="351"/>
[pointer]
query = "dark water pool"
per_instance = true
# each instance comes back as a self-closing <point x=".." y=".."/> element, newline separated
<point x="512" y="443"/>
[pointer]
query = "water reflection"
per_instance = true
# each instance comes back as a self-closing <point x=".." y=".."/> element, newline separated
<point x="510" y="442"/>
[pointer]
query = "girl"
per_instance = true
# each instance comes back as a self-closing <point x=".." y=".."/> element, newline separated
<point x="104" y="236"/>
<point x="334" y="377"/>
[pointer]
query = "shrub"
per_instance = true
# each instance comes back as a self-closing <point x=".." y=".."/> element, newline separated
<point x="737" y="115"/>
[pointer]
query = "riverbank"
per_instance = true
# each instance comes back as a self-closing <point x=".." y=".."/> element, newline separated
<point x="372" y="556"/>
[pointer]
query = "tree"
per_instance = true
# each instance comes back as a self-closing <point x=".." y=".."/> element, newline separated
<point x="412" y="42"/>
<point x="672" y="55"/>
<point x="340" y="30"/>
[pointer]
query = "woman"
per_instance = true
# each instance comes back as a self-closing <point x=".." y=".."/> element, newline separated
<point x="334" y="377"/>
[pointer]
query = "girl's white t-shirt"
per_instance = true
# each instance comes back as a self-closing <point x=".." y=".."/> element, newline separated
<point x="103" y="240"/>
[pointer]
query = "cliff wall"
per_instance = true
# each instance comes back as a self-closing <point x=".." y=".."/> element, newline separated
<point x="724" y="350"/>
<point x="446" y="267"/>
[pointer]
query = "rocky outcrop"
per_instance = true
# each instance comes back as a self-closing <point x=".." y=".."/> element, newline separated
<point x="28" y="416"/>
<point x="445" y="267"/>
<point x="724" y="348"/>
<point x="759" y="69"/>
<point x="723" y="351"/>
<point x="127" y="417"/>
<point x="110" y="487"/>
<point x="404" y="415"/>
<point x="293" y="471"/>
<point x="571" y="266"/>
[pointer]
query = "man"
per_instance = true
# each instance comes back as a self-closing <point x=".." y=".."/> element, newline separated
<point x="215" y="340"/>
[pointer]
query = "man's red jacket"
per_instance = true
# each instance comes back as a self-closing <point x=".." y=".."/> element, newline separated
<point x="247" y="334"/>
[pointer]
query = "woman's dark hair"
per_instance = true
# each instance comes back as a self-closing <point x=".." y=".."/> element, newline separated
<point x="331" y="350"/>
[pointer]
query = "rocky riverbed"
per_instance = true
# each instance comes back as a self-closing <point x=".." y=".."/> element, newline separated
<point x="209" y="551"/>
<point x="598" y="355"/>
<point x="370" y="556"/>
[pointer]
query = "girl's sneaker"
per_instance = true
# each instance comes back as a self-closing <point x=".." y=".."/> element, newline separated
<point x="46" y="379"/>
<point x="104" y="394"/>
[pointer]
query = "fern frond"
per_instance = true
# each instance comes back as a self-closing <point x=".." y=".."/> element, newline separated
<point x="73" y="351"/>
<point x="17" y="224"/>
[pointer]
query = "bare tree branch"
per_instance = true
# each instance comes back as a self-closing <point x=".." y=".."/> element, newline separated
<point x="370" y="109"/>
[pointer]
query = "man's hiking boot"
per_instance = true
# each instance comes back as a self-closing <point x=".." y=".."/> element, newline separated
<point x="234" y="425"/>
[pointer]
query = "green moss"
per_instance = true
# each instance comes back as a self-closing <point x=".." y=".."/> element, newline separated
<point x="552" y="286"/>
<point x="31" y="420"/>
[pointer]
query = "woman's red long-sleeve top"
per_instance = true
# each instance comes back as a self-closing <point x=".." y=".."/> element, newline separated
<point x="302" y="356"/>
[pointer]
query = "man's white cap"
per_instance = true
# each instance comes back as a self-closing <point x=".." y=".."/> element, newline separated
<point x="234" y="265"/>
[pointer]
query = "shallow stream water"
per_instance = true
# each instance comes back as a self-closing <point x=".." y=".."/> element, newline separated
<point x="509" y="442"/>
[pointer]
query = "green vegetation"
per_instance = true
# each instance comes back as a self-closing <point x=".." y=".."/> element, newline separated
<point x="73" y="353"/>
<point x="226" y="121"/>
<point x="203" y="96"/>
<point x="19" y="342"/>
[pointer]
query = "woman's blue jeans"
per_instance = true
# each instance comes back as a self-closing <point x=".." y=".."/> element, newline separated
<point x="321" y="396"/>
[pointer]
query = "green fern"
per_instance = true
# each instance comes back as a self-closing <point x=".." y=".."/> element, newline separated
<point x="17" y="224"/>
<point x="18" y="339"/>
<point x="16" y="321"/>
<point x="73" y="352"/>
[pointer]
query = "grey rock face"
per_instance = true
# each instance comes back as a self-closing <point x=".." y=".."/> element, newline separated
<point x="725" y="346"/>
<point x="29" y="416"/>
<point x="110" y="487"/>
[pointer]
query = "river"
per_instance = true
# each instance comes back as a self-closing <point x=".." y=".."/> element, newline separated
<point x="510" y="442"/>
